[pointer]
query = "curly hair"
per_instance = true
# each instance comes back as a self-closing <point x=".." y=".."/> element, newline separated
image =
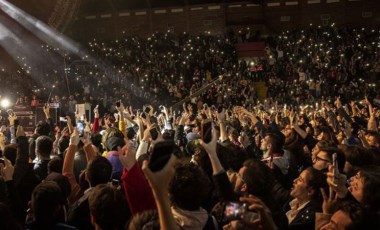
<point x="189" y="180"/>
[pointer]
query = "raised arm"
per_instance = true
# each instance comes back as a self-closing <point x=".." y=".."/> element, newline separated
<point x="137" y="190"/>
<point x="222" y="125"/>
<point x="372" y="119"/>
<point x="68" y="167"/>
<point x="223" y="185"/>
<point x="159" y="182"/>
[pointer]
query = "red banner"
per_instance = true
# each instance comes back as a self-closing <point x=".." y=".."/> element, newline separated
<point x="250" y="49"/>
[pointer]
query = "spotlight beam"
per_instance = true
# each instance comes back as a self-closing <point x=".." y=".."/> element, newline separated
<point x="40" y="29"/>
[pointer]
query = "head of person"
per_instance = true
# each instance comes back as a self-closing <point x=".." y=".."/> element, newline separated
<point x="107" y="207"/>
<point x="325" y="133"/>
<point x="114" y="143"/>
<point x="55" y="165"/>
<point x="373" y="139"/>
<point x="254" y="178"/>
<point x="319" y="145"/>
<point x="44" y="146"/>
<point x="348" y="215"/>
<point x="365" y="187"/>
<point x="10" y="152"/>
<point x="293" y="141"/>
<point x="63" y="144"/>
<point x="62" y="181"/>
<point x="7" y="220"/>
<point x="99" y="171"/>
<point x="96" y="139"/>
<point x="47" y="203"/>
<point x="308" y="184"/>
<point x="42" y="128"/>
<point x="182" y="187"/>
<point x="356" y="158"/>
<point x="145" y="220"/>
<point x="111" y="132"/>
<point x="324" y="157"/>
<point x="273" y="142"/>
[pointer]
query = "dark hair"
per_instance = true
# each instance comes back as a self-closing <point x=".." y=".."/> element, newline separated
<point x="55" y="165"/>
<point x="10" y="152"/>
<point x="147" y="220"/>
<point x="371" y="191"/>
<point x="46" y="197"/>
<point x="63" y="144"/>
<point x="7" y="220"/>
<point x="317" y="180"/>
<point x="258" y="177"/>
<point x="43" y="128"/>
<point x="96" y="140"/>
<point x="111" y="132"/>
<point x="277" y="140"/>
<point x="356" y="213"/>
<point x="189" y="187"/>
<point x="330" y="134"/>
<point x="108" y="207"/>
<point x="341" y="159"/>
<point x="44" y="146"/>
<point x="99" y="171"/>
<point x="295" y="143"/>
<point x="357" y="156"/>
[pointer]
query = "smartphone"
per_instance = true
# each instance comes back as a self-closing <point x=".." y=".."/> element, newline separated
<point x="80" y="128"/>
<point x="147" y="110"/>
<point x="143" y="115"/>
<point x="117" y="104"/>
<point x="220" y="109"/>
<point x="234" y="211"/>
<point x="206" y="128"/>
<point x="161" y="154"/>
<point x="63" y="119"/>
<point x="238" y="211"/>
<point x="153" y="133"/>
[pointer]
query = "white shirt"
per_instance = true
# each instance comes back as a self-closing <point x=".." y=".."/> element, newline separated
<point x="295" y="207"/>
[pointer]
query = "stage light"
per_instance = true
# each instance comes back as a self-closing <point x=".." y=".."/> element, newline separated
<point x="5" y="103"/>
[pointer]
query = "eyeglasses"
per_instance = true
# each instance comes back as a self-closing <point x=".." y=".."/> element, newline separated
<point x="317" y="158"/>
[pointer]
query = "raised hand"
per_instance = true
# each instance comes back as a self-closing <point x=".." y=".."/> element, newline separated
<point x="74" y="138"/>
<point x="7" y="170"/>
<point x="159" y="181"/>
<point x="127" y="154"/>
<point x="337" y="182"/>
<point x="328" y="201"/>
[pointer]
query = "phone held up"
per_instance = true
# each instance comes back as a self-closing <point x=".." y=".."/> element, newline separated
<point x="161" y="154"/>
<point x="154" y="133"/>
<point x="206" y="130"/>
<point x="238" y="211"/>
